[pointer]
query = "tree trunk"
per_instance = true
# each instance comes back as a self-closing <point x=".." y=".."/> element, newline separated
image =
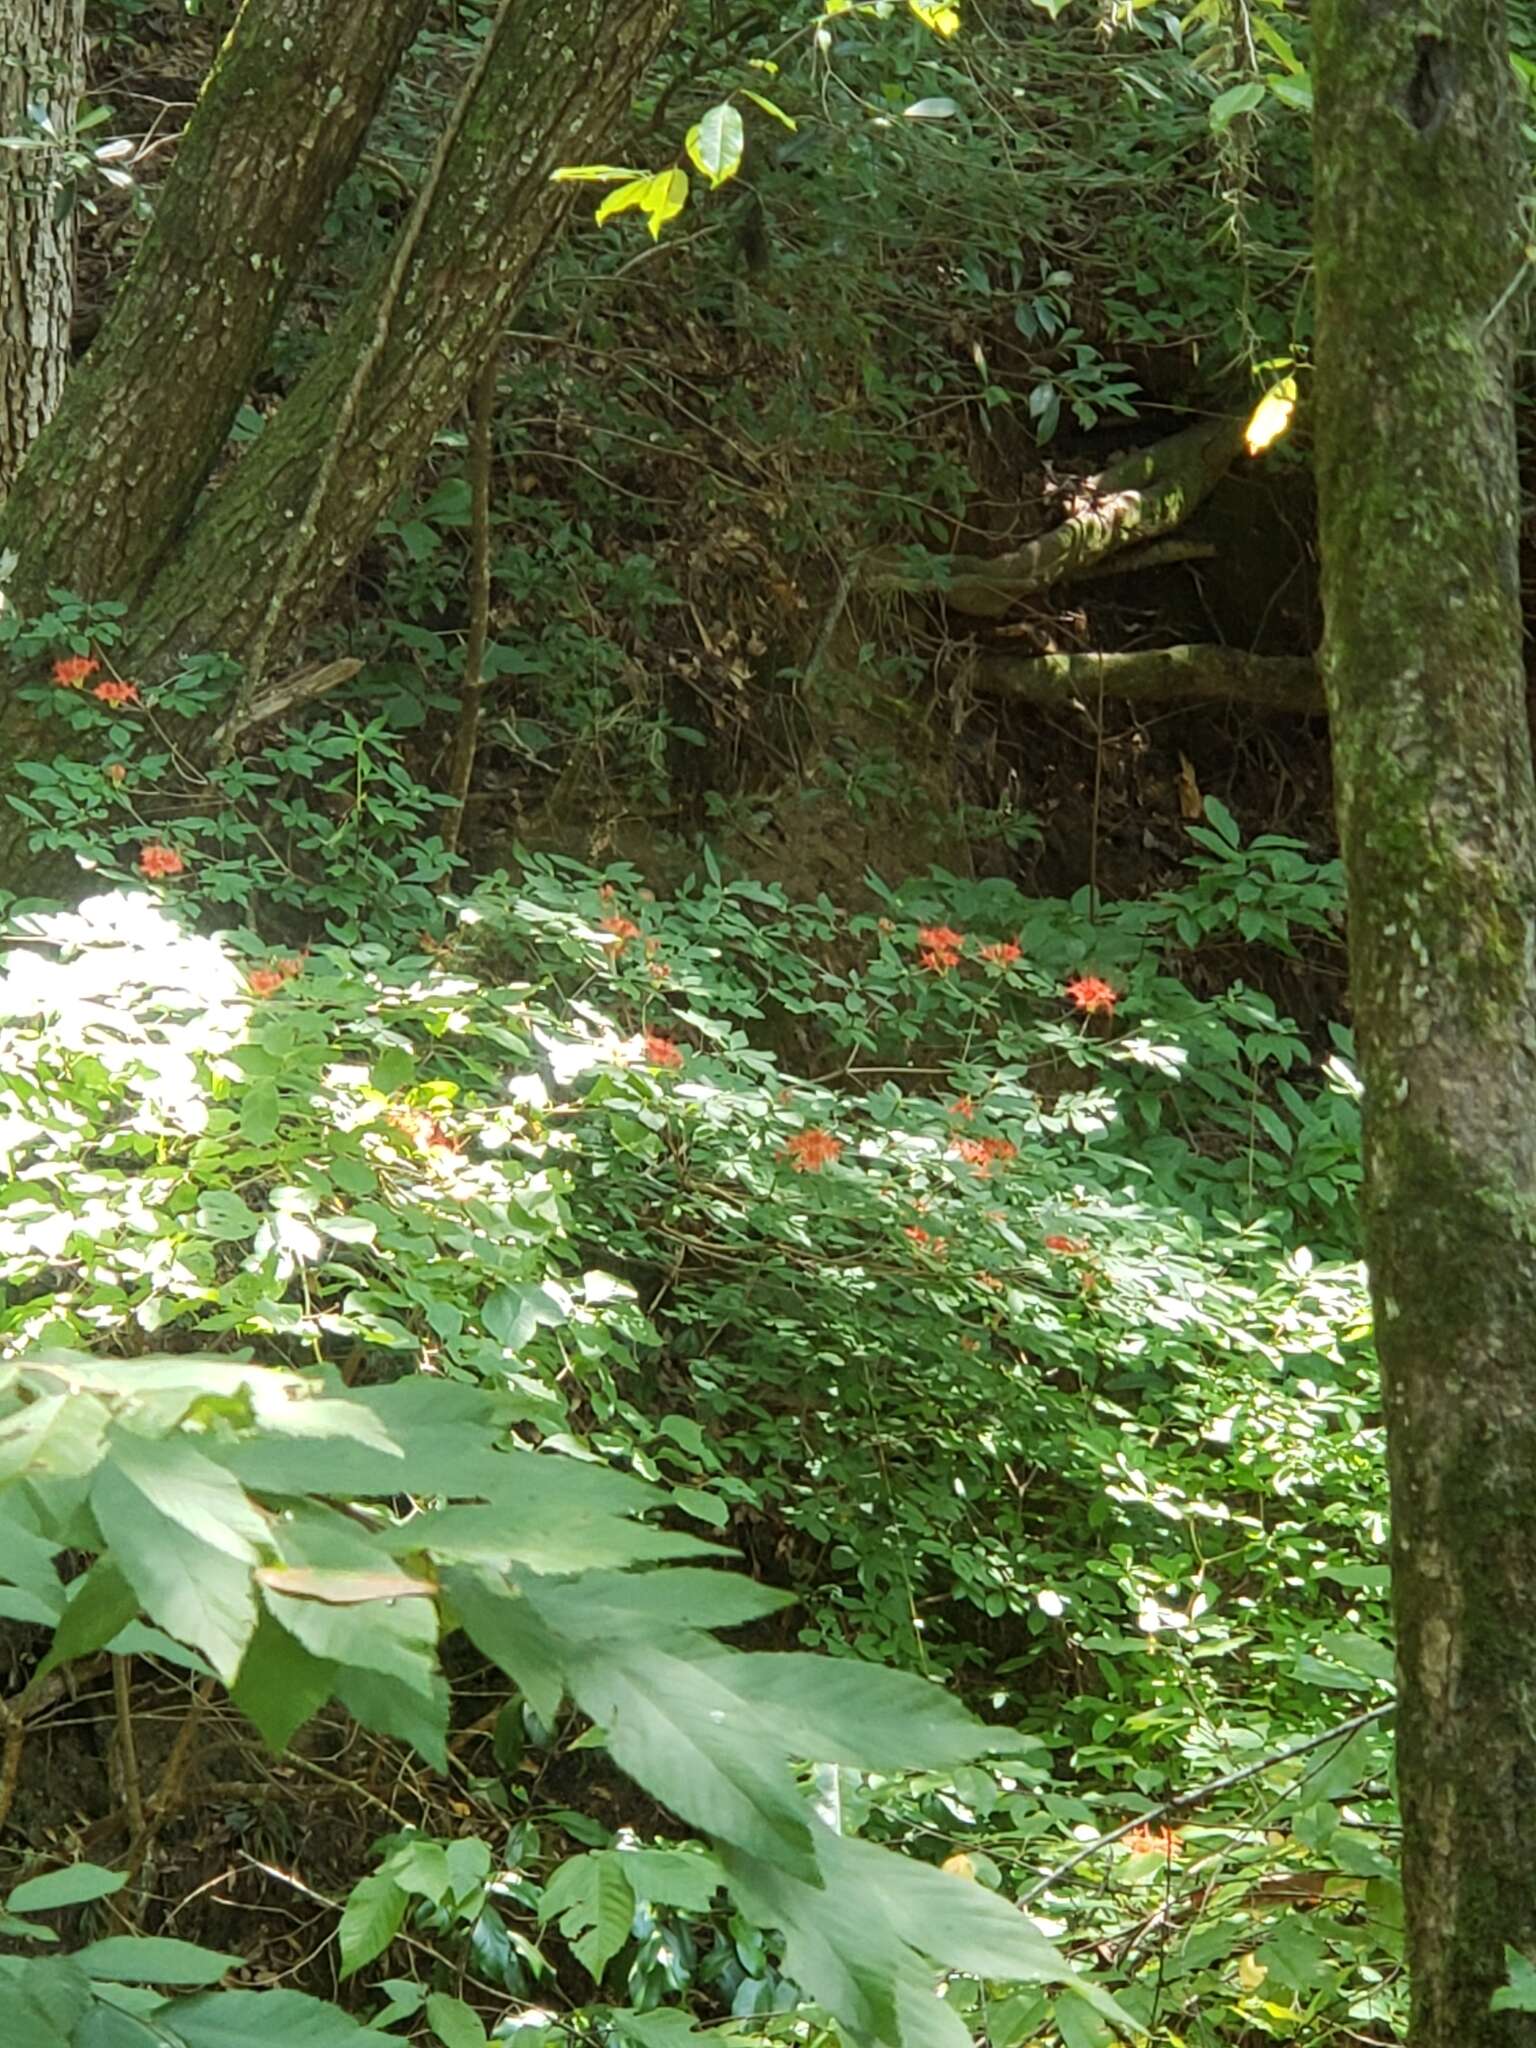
<point x="142" y="422"/>
<point x="555" y="85"/>
<point x="1418" y="259"/>
<point x="42" y="64"/>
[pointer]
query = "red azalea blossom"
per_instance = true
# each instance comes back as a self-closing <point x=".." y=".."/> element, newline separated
<point x="1003" y="954"/>
<point x="117" y="693"/>
<point x="984" y="1153"/>
<point x="991" y="1282"/>
<point x="660" y="1051"/>
<point x="809" y="1151"/>
<point x="155" y="862"/>
<point x="939" y="948"/>
<point x="72" y="671"/>
<point x="936" y="1247"/>
<point x="1072" y="1246"/>
<point x="623" y="929"/>
<point x="965" y="1107"/>
<point x="1141" y="1840"/>
<point x="1095" y="998"/>
<point x="265" y="981"/>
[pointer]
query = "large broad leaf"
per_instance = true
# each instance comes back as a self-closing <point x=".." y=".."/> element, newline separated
<point x="101" y="1606"/>
<point x="399" y="1711"/>
<point x="199" y="1592"/>
<point x="187" y="1488"/>
<point x="75" y="1885"/>
<point x="260" y="2019"/>
<point x="684" y="1598"/>
<point x="280" y="1685"/>
<point x="838" y="1710"/>
<point x="501" y="1623"/>
<point x="552" y="1527"/>
<point x="395" y="1637"/>
<point x="591" y="1898"/>
<point x="44" y="2002"/>
<point x="693" y="1743"/>
<point x="716" y="142"/>
<point x="370" y="1920"/>
<point x="153" y="1959"/>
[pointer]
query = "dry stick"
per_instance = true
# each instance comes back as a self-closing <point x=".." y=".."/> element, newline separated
<point x="394" y="284"/>
<point x="473" y="698"/>
<point x="127" y="1749"/>
<point x="168" y="1792"/>
<point x="1197" y="1796"/>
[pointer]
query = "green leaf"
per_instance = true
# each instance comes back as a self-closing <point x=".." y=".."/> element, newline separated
<point x="502" y="1625"/>
<point x="259" y="1113"/>
<point x="768" y="107"/>
<point x="101" y="1605"/>
<point x="402" y="1712"/>
<point x="195" y="1592"/>
<point x="455" y="2024"/>
<point x="258" y="2019"/>
<point x="1237" y="99"/>
<point x="74" y="1885"/>
<point x="596" y="1908"/>
<point x="1519" y="1994"/>
<point x="838" y="1710"/>
<point x="370" y="1920"/>
<point x="44" y="2002"/>
<point x="280" y="1685"/>
<point x="223" y="1216"/>
<point x="153" y="1959"/>
<point x="590" y="174"/>
<point x="715" y="144"/>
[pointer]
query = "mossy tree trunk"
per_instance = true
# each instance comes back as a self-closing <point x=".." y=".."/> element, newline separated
<point x="1418" y="263"/>
<point x="42" y="65"/>
<point x="277" y="128"/>
<point x="554" y="88"/>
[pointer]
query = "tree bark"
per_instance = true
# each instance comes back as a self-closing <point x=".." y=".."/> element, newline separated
<point x="557" y="82"/>
<point x="145" y="417"/>
<point x="42" y="64"/>
<point x="1418" y="259"/>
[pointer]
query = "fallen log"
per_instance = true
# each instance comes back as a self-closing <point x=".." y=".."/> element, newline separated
<point x="1136" y="499"/>
<point x="1153" y="675"/>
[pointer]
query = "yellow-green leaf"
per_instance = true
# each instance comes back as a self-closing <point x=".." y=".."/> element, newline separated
<point x="715" y="144"/>
<point x="937" y="15"/>
<point x="768" y="107"/>
<point x="634" y="194"/>
<point x="591" y="174"/>
<point x="668" y="197"/>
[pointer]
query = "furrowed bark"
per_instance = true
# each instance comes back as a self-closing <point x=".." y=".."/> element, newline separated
<point x="558" y="82"/>
<point x="279" y="124"/>
<point x="42" y="63"/>
<point x="1418" y="261"/>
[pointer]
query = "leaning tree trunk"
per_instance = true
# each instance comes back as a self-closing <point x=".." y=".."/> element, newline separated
<point x="142" y="422"/>
<point x="1419" y="257"/>
<point x="553" y="87"/>
<point x="42" y="64"/>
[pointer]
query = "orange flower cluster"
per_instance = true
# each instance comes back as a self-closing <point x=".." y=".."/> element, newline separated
<point x="73" y="672"/>
<point x="1072" y="1247"/>
<point x="266" y="981"/>
<point x="984" y="1153"/>
<point x="421" y="1128"/>
<point x="117" y="694"/>
<point x="809" y="1151"/>
<point x="1093" y="997"/>
<point x="661" y="1052"/>
<point x="623" y="929"/>
<point x="938" y="948"/>
<point x="156" y="862"/>
<point x="1142" y="1840"/>
<point x="965" y="1107"/>
<point x="1004" y="954"/>
<point x="935" y="1247"/>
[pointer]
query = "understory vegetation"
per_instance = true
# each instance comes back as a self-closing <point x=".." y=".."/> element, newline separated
<point x="774" y="1275"/>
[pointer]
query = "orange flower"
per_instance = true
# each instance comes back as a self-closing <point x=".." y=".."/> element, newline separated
<point x="72" y="672"/>
<point x="158" y="861"/>
<point x="623" y="929"/>
<point x="660" y="1051"/>
<point x="990" y="1281"/>
<point x="1003" y="954"/>
<point x="1142" y="1840"/>
<point x="1071" y="1246"/>
<point x="965" y="1107"/>
<point x="936" y="1247"/>
<point x="290" y="967"/>
<point x="1093" y="997"/>
<point x="265" y="981"/>
<point x="939" y="948"/>
<point x="116" y="772"/>
<point x="117" y="693"/>
<point x="984" y="1153"/>
<point x="809" y="1151"/>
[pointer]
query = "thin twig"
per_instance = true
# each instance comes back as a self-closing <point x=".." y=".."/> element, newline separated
<point x="1197" y="1795"/>
<point x="467" y="737"/>
<point x="127" y="1748"/>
